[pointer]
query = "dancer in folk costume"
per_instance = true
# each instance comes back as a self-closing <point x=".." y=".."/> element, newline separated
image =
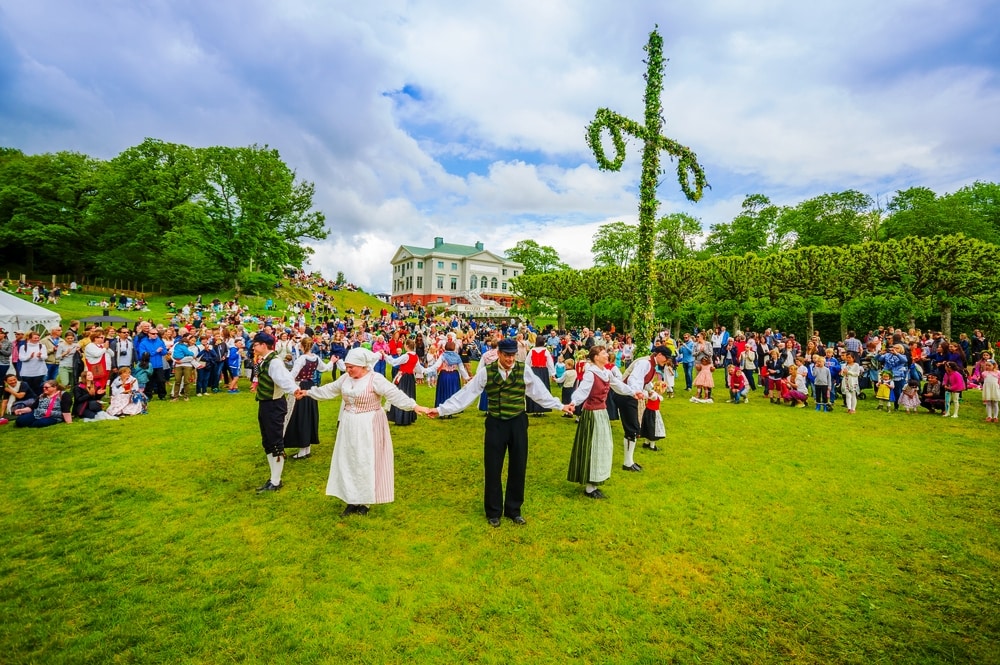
<point x="590" y="459"/>
<point x="652" y="427"/>
<point x="405" y="364"/>
<point x="361" y="470"/>
<point x="639" y="375"/>
<point x="449" y="369"/>
<point x="302" y="431"/>
<point x="273" y="382"/>
<point x="506" y="383"/>
<point x="541" y="364"/>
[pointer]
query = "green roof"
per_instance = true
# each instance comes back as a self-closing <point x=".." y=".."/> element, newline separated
<point x="444" y="248"/>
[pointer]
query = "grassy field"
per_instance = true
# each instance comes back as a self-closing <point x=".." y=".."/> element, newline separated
<point x="759" y="534"/>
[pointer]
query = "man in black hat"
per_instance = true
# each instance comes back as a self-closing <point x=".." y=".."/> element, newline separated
<point x="273" y="381"/>
<point x="639" y="375"/>
<point x="506" y="383"/>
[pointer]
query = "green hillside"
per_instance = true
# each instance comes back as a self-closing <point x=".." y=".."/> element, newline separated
<point x="77" y="306"/>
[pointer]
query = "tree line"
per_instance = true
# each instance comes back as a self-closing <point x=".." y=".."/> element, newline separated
<point x="186" y="218"/>
<point x="837" y="258"/>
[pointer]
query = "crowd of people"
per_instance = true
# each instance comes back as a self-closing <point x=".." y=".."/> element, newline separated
<point x="599" y="377"/>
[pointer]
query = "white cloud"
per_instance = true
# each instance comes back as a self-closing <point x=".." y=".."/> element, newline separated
<point x="784" y="98"/>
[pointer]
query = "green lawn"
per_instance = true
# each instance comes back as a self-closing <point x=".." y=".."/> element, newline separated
<point x="760" y="534"/>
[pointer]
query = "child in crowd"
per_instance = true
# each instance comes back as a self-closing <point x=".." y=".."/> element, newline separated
<point x="954" y="384"/>
<point x="652" y="428"/>
<point x="704" y="382"/>
<point x="821" y="383"/>
<point x="143" y="372"/>
<point x="669" y="375"/>
<point x="850" y="386"/>
<point x="883" y="392"/>
<point x="801" y="375"/>
<point x="737" y="385"/>
<point x="990" y="380"/>
<point x="910" y="399"/>
<point x="791" y="395"/>
<point x="568" y="383"/>
<point x="235" y="359"/>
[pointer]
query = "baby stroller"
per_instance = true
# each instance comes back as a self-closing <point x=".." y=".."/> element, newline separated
<point x="871" y="367"/>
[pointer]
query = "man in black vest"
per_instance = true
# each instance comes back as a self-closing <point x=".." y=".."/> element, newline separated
<point x="273" y="381"/>
<point x="506" y="383"/>
<point x="640" y="373"/>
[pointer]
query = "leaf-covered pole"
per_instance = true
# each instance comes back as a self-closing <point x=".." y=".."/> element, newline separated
<point x="688" y="170"/>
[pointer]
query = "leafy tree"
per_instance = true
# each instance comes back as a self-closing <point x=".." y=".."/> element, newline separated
<point x="951" y="270"/>
<point x="843" y="218"/>
<point x="579" y="311"/>
<point x="753" y="230"/>
<point x="679" y="284"/>
<point x="535" y="258"/>
<point x="731" y="282"/>
<point x="255" y="208"/>
<point x="676" y="236"/>
<point x="145" y="192"/>
<point x="615" y="244"/>
<point x="43" y="204"/>
<point x="983" y="198"/>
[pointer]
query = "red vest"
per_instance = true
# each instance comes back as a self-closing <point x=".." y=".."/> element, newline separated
<point x="598" y="397"/>
<point x="539" y="357"/>
<point x="411" y="362"/>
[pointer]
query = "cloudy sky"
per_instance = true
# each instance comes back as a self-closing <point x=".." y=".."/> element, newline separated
<point x="423" y="118"/>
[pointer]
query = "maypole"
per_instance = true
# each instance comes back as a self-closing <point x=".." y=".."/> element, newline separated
<point x="688" y="168"/>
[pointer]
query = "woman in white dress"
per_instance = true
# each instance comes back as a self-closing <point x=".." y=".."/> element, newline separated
<point x="361" y="471"/>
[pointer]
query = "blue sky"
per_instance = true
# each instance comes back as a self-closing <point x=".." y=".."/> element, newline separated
<point x="466" y="120"/>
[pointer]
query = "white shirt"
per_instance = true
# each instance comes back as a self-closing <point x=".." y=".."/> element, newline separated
<point x="533" y="388"/>
<point x="582" y="391"/>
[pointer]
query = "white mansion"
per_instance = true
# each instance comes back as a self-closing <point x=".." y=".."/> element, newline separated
<point x="450" y="274"/>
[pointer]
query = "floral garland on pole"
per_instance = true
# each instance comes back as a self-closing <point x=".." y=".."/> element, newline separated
<point x="688" y="168"/>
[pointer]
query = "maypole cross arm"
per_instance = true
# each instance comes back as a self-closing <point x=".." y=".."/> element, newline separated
<point x="688" y="168"/>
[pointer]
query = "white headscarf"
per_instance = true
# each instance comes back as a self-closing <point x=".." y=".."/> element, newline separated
<point x="361" y="357"/>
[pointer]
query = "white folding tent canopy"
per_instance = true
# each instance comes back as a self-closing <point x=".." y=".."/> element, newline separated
<point x="18" y="314"/>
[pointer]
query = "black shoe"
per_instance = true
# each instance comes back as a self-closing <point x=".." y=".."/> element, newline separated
<point x="270" y="487"/>
<point x="634" y="467"/>
<point x="360" y="510"/>
<point x="494" y="521"/>
<point x="650" y="446"/>
<point x="297" y="456"/>
<point x="596" y="494"/>
<point x="517" y="519"/>
<point x="349" y="510"/>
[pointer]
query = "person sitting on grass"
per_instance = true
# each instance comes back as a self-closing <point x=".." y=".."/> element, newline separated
<point x="17" y="395"/>
<point x="791" y="395"/>
<point x="87" y="397"/>
<point x="126" y="398"/>
<point x="49" y="410"/>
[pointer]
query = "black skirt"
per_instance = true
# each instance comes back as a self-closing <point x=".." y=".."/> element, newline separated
<point x="303" y="427"/>
<point x="409" y="386"/>
<point x="530" y="405"/>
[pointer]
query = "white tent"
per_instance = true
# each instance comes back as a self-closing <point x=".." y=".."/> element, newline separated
<point x="18" y="314"/>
